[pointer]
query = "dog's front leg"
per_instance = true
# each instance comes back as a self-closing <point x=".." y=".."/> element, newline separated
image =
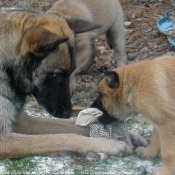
<point x="26" y="124"/>
<point x="8" y="113"/>
<point x="18" y="145"/>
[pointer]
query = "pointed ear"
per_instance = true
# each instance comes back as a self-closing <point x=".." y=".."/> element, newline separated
<point x="79" y="26"/>
<point x="41" y="41"/>
<point x="112" y="78"/>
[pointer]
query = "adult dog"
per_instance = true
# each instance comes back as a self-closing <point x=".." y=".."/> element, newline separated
<point x="109" y="14"/>
<point x="37" y="56"/>
<point x="147" y="87"/>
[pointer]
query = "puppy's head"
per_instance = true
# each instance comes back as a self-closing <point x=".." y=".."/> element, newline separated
<point x="112" y="98"/>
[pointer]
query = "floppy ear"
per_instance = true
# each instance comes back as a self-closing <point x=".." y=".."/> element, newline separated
<point x="40" y="41"/>
<point x="112" y="78"/>
<point x="79" y="26"/>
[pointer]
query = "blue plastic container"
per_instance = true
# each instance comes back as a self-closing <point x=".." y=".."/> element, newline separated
<point x="164" y="24"/>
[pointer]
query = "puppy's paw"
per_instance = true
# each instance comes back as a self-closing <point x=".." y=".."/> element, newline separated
<point x="165" y="171"/>
<point x="137" y="140"/>
<point x="144" y="153"/>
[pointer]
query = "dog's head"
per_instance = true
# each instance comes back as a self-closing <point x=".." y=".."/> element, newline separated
<point x="114" y="97"/>
<point x="39" y="55"/>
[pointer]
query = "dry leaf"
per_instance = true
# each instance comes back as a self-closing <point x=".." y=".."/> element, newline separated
<point x="77" y="108"/>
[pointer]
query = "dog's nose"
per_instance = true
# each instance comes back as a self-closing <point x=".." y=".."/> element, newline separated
<point x="67" y="114"/>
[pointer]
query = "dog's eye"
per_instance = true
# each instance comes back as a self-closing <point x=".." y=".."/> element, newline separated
<point x="55" y="75"/>
<point x="52" y="75"/>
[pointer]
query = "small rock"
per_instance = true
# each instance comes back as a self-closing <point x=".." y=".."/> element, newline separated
<point x="144" y="50"/>
<point x="91" y="156"/>
<point x="170" y="53"/>
<point x="142" y="170"/>
<point x="127" y="23"/>
<point x="132" y="56"/>
<point x="103" y="157"/>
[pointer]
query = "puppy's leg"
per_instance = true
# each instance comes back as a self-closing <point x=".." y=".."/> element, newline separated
<point x="152" y="150"/>
<point x="18" y="145"/>
<point x="137" y="140"/>
<point x="116" y="39"/>
<point x="84" y="59"/>
<point x="26" y="124"/>
<point x="167" y="140"/>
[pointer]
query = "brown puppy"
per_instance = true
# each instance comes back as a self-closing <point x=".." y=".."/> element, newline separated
<point x="109" y="14"/>
<point x="147" y="87"/>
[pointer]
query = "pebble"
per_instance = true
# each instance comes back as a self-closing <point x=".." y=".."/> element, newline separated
<point x="91" y="156"/>
<point x="142" y="171"/>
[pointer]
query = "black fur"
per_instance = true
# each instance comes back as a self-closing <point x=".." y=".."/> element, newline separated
<point x="105" y="118"/>
<point x="52" y="91"/>
<point x="53" y="94"/>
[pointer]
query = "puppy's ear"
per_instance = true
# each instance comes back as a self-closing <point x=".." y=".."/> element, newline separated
<point x="79" y="26"/>
<point x="40" y="41"/>
<point x="112" y="78"/>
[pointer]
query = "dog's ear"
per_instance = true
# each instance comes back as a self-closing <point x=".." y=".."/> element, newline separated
<point x="79" y="26"/>
<point x="112" y="78"/>
<point x="41" y="41"/>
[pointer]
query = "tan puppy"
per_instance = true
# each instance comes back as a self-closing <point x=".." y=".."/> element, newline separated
<point x="109" y="14"/>
<point x="147" y="87"/>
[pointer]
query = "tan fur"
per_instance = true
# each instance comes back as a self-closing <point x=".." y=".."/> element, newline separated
<point x="109" y="14"/>
<point x="147" y="87"/>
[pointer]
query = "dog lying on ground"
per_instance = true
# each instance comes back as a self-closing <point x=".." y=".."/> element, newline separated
<point x="109" y="14"/>
<point x="37" y="56"/>
<point x="147" y="87"/>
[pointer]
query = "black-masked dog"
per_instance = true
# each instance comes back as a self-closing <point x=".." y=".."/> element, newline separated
<point x="37" y="56"/>
<point x="147" y="87"/>
<point x="109" y="14"/>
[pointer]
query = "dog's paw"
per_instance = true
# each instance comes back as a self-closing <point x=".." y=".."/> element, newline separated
<point x="144" y="153"/>
<point x="119" y="148"/>
<point x="109" y="146"/>
<point x="137" y="140"/>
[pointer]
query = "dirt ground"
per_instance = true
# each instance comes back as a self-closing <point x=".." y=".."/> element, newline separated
<point x="143" y="41"/>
